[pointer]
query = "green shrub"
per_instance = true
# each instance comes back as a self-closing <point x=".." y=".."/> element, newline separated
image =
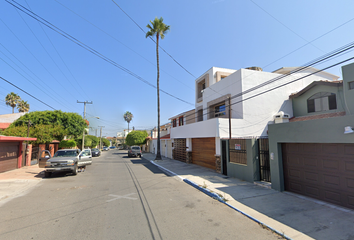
<point x="67" y="144"/>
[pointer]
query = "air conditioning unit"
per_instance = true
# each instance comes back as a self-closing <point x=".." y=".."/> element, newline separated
<point x="281" y="117"/>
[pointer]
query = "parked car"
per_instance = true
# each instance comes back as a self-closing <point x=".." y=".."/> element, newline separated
<point x="112" y="147"/>
<point x="95" y="152"/>
<point x="134" y="151"/>
<point x="65" y="160"/>
<point x="105" y="148"/>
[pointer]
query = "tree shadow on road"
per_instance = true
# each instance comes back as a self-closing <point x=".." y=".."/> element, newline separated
<point x="154" y="169"/>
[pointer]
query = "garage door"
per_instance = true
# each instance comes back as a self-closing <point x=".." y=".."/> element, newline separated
<point x="203" y="152"/>
<point x="322" y="171"/>
<point x="8" y="156"/>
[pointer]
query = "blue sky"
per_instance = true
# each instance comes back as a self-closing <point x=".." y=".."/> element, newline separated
<point x="204" y="33"/>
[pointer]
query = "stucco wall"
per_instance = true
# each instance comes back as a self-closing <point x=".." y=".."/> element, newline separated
<point x="249" y="172"/>
<point x="348" y="76"/>
<point x="329" y="130"/>
<point x="300" y="103"/>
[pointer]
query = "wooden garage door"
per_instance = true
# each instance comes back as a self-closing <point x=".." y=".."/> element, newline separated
<point x="8" y="156"/>
<point x="322" y="171"/>
<point x="203" y="152"/>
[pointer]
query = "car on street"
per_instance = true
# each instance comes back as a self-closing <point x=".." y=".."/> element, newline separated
<point x="105" y="148"/>
<point x="134" y="151"/>
<point x="65" y="160"/>
<point x="95" y="152"/>
<point x="112" y="147"/>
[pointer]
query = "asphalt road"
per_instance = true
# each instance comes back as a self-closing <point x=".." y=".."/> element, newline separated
<point x="122" y="198"/>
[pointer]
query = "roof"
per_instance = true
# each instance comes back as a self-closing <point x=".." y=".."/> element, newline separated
<point x="290" y="70"/>
<point x="4" y="125"/>
<point x="167" y="136"/>
<point x="9" y="118"/>
<point x="181" y="114"/>
<point x="14" y="139"/>
<point x="315" y="83"/>
<point x="314" y="117"/>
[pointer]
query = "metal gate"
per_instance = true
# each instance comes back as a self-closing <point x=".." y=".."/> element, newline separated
<point x="263" y="156"/>
<point x="35" y="155"/>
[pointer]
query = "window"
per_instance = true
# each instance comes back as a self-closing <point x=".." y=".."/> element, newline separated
<point x="200" y="115"/>
<point x="201" y="87"/>
<point x="174" y="122"/>
<point x="219" y="110"/>
<point x="351" y="85"/>
<point x="180" y="121"/>
<point x="322" y="101"/>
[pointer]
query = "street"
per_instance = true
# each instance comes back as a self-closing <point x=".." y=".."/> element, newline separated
<point x="122" y="198"/>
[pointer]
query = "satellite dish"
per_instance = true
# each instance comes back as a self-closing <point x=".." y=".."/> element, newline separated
<point x="348" y="129"/>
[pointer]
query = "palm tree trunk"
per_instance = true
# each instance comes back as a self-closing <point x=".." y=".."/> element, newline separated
<point x="13" y="109"/>
<point x="158" y="154"/>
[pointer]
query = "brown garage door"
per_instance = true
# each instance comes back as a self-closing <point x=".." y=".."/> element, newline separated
<point x="203" y="152"/>
<point x="8" y="156"/>
<point x="322" y="171"/>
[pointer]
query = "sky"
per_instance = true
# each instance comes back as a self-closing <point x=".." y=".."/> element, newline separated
<point x="231" y="34"/>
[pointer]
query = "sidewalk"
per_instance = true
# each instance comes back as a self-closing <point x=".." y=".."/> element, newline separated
<point x="17" y="182"/>
<point x="294" y="216"/>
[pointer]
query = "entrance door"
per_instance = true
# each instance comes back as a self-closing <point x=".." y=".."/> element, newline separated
<point x="224" y="156"/>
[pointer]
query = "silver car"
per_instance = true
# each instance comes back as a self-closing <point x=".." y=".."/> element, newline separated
<point x="65" y="160"/>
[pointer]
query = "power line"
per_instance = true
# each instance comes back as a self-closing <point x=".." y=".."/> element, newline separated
<point x="325" y="57"/>
<point x="124" y="45"/>
<point x="155" y="41"/>
<point x="86" y="47"/>
<point x="26" y="92"/>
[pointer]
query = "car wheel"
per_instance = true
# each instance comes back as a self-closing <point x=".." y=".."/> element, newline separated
<point x="47" y="174"/>
<point x="76" y="170"/>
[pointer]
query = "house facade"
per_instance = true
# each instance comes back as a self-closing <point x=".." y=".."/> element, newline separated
<point x="244" y="101"/>
<point x="313" y="153"/>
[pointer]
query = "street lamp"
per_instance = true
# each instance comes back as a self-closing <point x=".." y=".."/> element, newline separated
<point x="83" y="134"/>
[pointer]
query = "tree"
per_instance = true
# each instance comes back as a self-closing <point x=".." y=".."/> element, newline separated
<point x="23" y="106"/>
<point x="43" y="133"/>
<point x="128" y="116"/>
<point x="158" y="28"/>
<point x="72" y="122"/>
<point x="105" y="142"/>
<point x="136" y="138"/>
<point x="11" y="100"/>
<point x="67" y="144"/>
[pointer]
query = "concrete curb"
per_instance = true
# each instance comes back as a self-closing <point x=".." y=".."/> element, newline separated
<point x="217" y="197"/>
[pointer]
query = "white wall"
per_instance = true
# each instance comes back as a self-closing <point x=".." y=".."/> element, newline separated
<point x="252" y="116"/>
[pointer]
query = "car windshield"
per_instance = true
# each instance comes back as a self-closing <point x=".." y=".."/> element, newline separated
<point x="136" y="148"/>
<point x="94" y="149"/>
<point x="69" y="153"/>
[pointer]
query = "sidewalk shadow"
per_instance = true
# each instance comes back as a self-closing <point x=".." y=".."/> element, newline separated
<point x="36" y="174"/>
<point x="154" y="169"/>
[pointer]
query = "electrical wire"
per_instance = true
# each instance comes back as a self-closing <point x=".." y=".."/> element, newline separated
<point x="124" y="45"/>
<point x="26" y="92"/>
<point x="154" y="41"/>
<point x="86" y="47"/>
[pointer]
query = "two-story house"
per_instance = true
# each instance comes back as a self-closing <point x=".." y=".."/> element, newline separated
<point x="313" y="153"/>
<point x="243" y="101"/>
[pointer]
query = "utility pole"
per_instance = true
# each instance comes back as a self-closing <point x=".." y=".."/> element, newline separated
<point x="101" y="136"/>
<point x="84" y="115"/>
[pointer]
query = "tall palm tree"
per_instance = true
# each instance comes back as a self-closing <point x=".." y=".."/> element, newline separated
<point x="12" y="99"/>
<point x="157" y="28"/>
<point x="23" y="106"/>
<point x="128" y="116"/>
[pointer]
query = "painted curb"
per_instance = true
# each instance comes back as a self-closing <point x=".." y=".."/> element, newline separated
<point x="217" y="197"/>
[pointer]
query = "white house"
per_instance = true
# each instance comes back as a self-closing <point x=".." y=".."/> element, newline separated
<point x="255" y="97"/>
